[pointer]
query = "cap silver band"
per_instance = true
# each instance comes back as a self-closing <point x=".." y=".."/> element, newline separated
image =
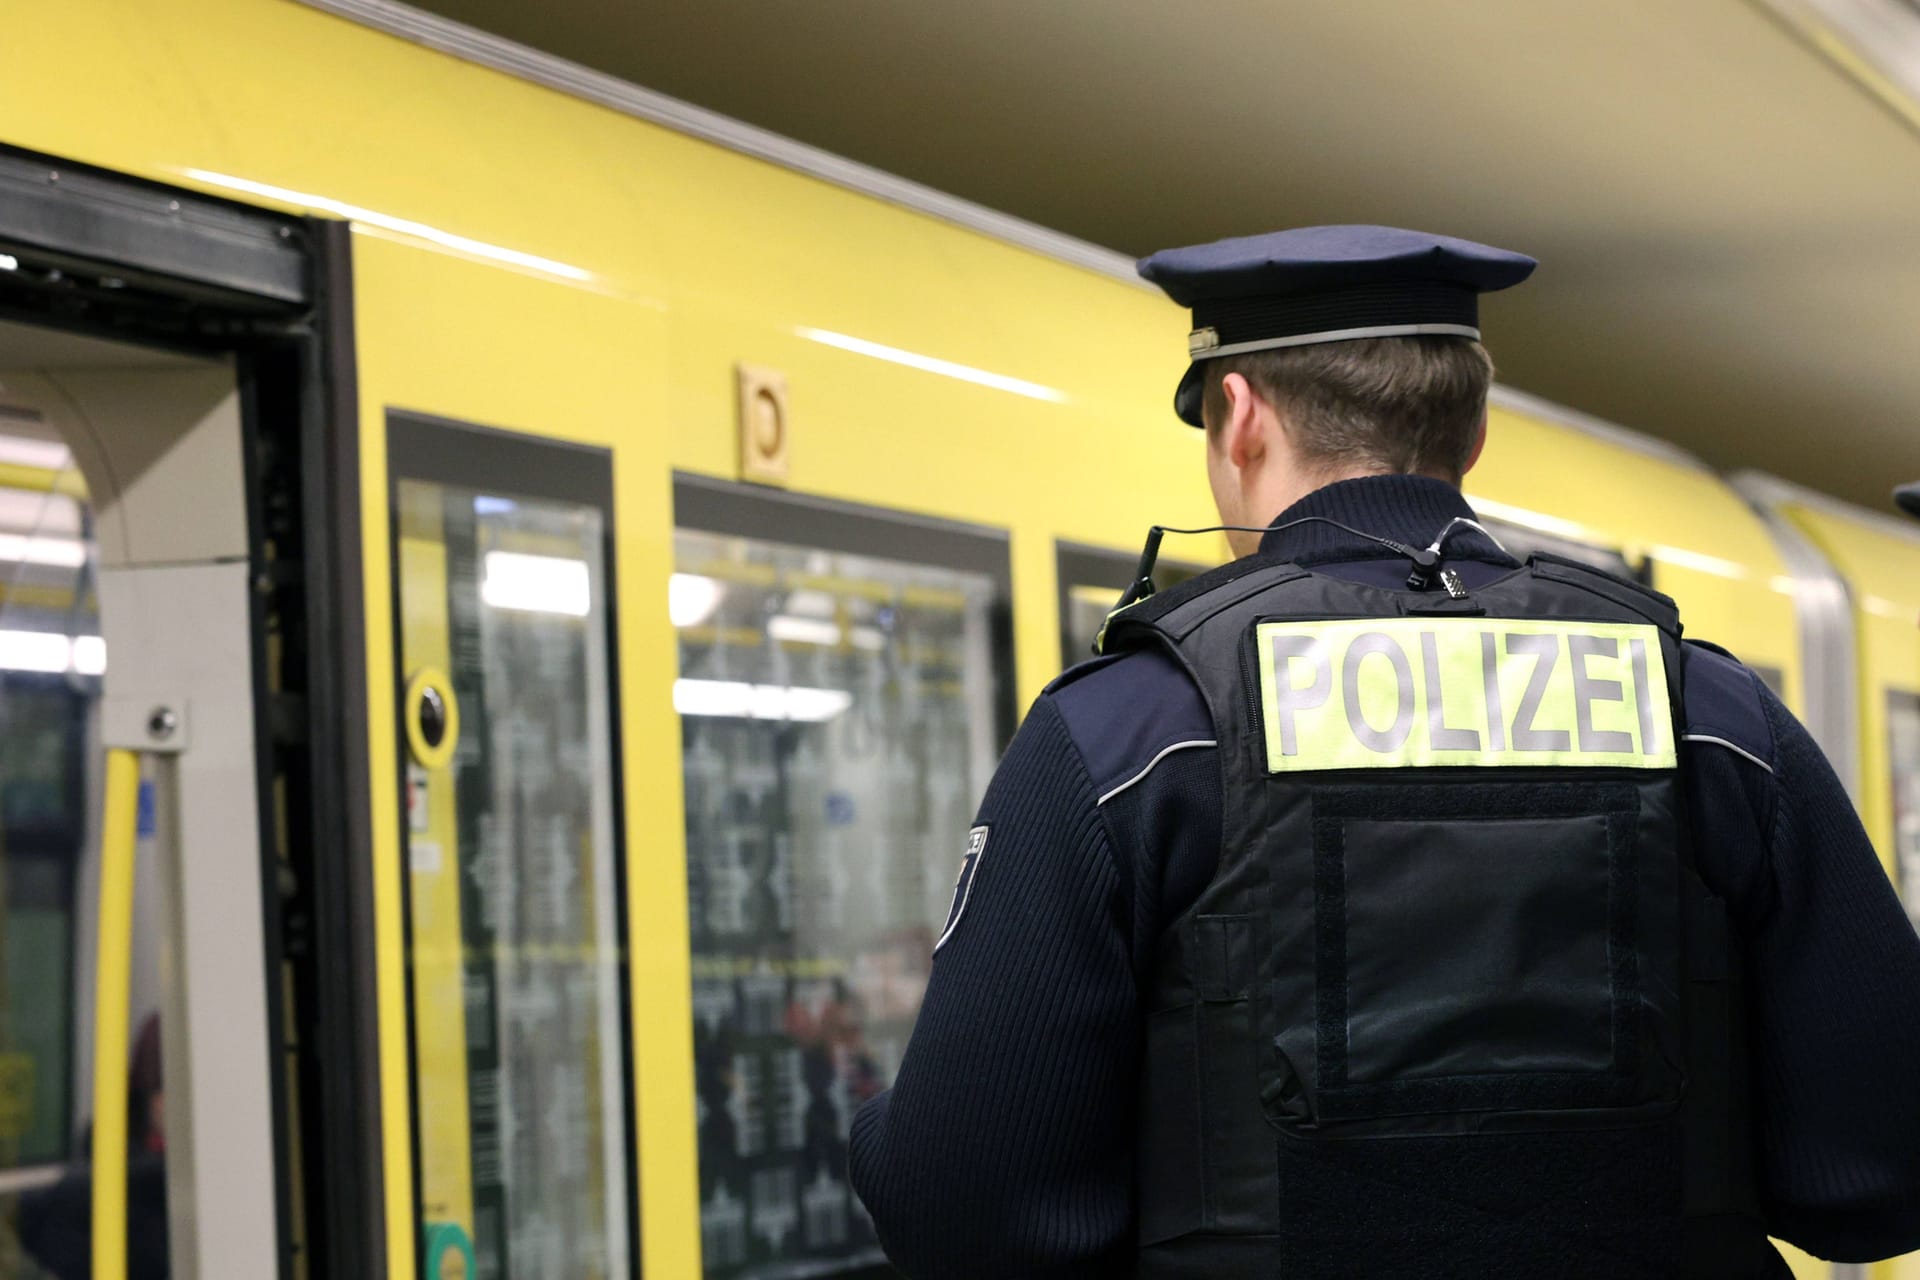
<point x="1197" y="351"/>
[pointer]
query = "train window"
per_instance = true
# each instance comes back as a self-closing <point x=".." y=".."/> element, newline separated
<point x="844" y="691"/>
<point x="515" y="907"/>
<point x="1903" y="754"/>
<point x="1091" y="580"/>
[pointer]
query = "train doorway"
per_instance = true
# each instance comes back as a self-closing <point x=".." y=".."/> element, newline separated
<point x="186" y="1043"/>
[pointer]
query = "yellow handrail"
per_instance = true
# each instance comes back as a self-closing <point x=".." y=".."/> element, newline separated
<point x="14" y="475"/>
<point x="111" y="999"/>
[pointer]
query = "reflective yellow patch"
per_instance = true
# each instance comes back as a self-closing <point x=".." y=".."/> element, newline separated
<point x="1398" y="693"/>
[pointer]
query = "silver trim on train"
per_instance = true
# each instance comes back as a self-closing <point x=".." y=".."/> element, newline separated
<point x="1823" y="613"/>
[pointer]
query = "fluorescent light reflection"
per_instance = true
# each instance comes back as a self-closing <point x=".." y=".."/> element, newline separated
<point x="89" y="655"/>
<point x="1719" y="566"/>
<point x="758" y="701"/>
<point x="933" y="364"/>
<point x="33" y="549"/>
<point x="25" y="451"/>
<point x="537" y="584"/>
<point x="52" y="653"/>
<point x="405" y="226"/>
<point x="784" y="626"/>
<point x="1537" y="520"/>
<point x="692" y="598"/>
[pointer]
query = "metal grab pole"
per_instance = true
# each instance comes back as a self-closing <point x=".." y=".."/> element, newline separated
<point x="111" y="1000"/>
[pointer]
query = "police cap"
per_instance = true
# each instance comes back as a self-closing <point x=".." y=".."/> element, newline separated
<point x="1325" y="284"/>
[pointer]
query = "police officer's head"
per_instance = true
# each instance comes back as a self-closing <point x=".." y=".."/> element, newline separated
<point x="1329" y="352"/>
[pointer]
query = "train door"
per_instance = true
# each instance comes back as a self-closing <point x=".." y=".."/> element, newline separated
<point x="165" y="1106"/>
<point x="166" y="738"/>
<point x="520" y="1036"/>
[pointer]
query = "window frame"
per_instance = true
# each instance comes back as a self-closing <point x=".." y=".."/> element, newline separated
<point x="703" y="504"/>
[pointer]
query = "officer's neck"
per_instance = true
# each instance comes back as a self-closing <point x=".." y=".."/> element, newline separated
<point x="1406" y="508"/>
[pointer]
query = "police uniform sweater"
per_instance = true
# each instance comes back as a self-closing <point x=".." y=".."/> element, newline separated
<point x="1005" y="1147"/>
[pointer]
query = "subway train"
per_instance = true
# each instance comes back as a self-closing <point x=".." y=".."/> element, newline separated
<point x="510" y="589"/>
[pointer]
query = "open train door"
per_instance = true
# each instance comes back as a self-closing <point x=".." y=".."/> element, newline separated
<point x="186" y="1020"/>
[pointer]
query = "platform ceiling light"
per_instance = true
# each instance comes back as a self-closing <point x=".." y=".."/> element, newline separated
<point x="744" y="701"/>
<point x="27" y="548"/>
<point x="52" y="653"/>
<point x="387" y="222"/>
<point x="537" y="584"/>
<point x="8" y="262"/>
<point x="933" y="364"/>
<point x="692" y="598"/>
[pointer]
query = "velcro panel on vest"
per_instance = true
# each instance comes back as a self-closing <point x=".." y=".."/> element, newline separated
<point x="1476" y="949"/>
<point x="1594" y="1205"/>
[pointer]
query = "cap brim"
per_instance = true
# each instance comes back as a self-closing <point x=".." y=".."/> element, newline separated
<point x="1907" y="496"/>
<point x="1187" y="397"/>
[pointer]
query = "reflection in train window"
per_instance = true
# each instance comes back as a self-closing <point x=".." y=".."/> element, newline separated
<point x="1520" y="541"/>
<point x="840" y="715"/>
<point x="514" y="914"/>
<point x="1091" y="582"/>
<point x="1903" y="753"/>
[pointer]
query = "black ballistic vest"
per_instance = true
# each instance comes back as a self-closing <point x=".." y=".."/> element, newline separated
<point x="1456" y="1002"/>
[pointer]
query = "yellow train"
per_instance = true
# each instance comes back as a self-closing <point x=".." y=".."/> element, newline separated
<point x="568" y="564"/>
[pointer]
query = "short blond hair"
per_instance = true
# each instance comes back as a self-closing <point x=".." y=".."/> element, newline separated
<point x="1403" y="405"/>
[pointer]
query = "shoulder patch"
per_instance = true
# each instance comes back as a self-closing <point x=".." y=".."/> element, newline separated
<point x="963" y="884"/>
<point x="1123" y="717"/>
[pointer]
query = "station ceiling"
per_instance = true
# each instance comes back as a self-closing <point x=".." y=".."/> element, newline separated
<point x="1727" y="214"/>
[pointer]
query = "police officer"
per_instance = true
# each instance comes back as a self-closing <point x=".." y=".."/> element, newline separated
<point x="1379" y="906"/>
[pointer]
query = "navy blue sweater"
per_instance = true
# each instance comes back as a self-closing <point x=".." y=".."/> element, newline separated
<point x="1005" y="1147"/>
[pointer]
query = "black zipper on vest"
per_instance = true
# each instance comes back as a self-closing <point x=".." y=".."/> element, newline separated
<point x="1250" y="681"/>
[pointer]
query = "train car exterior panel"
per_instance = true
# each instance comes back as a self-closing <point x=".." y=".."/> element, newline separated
<point x="542" y="265"/>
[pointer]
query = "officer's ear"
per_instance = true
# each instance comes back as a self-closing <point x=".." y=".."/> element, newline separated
<point x="1242" y="433"/>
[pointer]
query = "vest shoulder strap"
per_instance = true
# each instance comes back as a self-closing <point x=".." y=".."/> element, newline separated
<point x="1655" y="606"/>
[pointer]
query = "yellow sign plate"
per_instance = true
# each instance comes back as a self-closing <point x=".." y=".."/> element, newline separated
<point x="1409" y="693"/>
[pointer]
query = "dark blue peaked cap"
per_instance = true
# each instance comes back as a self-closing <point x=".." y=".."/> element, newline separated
<point x="1325" y="284"/>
